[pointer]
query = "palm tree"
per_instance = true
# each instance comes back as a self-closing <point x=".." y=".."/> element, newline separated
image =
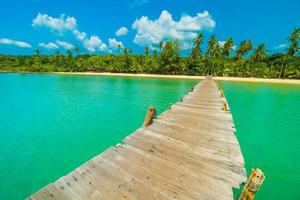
<point x="293" y="39"/>
<point x="211" y="46"/>
<point x="155" y="53"/>
<point x="76" y="50"/>
<point x="227" y="47"/>
<point x="147" y="51"/>
<point x="243" y="49"/>
<point x="196" y="51"/>
<point x="120" y="48"/>
<point x="161" y="45"/>
<point x="259" y="53"/>
<point x="127" y="59"/>
<point x="37" y="52"/>
<point x="213" y="51"/>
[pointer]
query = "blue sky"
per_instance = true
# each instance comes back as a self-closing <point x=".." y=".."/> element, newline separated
<point x="92" y="25"/>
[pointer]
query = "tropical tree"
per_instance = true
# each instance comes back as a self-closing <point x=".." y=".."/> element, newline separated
<point x="126" y="58"/>
<point x="243" y="49"/>
<point x="160" y="45"/>
<point x="120" y="48"/>
<point x="147" y="51"/>
<point x="196" y="52"/>
<point x="293" y="39"/>
<point x="155" y="53"/>
<point x="213" y="51"/>
<point x="76" y="50"/>
<point x="259" y="53"/>
<point x="37" y="52"/>
<point x="169" y="57"/>
<point x="227" y="47"/>
<point x="226" y="51"/>
<point x="212" y="43"/>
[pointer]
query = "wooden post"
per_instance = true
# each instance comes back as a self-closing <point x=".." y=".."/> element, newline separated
<point x="222" y="93"/>
<point x="252" y="185"/>
<point x="151" y="113"/>
<point x="225" y="108"/>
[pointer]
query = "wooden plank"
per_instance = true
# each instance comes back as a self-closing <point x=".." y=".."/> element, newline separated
<point x="188" y="152"/>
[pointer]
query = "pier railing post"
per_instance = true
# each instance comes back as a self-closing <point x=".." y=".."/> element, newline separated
<point x="150" y="115"/>
<point x="252" y="185"/>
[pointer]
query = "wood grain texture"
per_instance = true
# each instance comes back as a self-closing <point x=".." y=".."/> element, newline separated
<point x="189" y="152"/>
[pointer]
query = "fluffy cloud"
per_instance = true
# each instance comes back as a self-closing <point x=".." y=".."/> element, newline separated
<point x="114" y="44"/>
<point x="14" y="43"/>
<point x="281" y="46"/>
<point x="59" y="25"/>
<point x="79" y="35"/>
<point x="65" y="44"/>
<point x="151" y="32"/>
<point x="63" y="24"/>
<point x="94" y="43"/>
<point x="121" y="31"/>
<point x="49" y="45"/>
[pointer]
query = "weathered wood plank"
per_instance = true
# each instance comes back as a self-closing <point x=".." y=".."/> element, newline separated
<point x="188" y="152"/>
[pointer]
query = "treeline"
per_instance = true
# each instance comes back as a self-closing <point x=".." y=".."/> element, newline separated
<point x="219" y="59"/>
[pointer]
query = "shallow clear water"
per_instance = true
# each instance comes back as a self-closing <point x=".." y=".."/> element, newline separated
<point x="50" y="124"/>
<point x="267" y="119"/>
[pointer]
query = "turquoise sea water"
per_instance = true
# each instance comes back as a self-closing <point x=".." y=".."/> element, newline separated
<point x="267" y="118"/>
<point x="50" y="124"/>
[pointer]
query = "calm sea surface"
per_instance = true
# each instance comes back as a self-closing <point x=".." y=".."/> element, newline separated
<point x="50" y="124"/>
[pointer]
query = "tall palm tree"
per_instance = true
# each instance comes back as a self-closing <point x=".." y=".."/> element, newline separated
<point x="147" y="51"/>
<point x="243" y="49"/>
<point x="120" y="48"/>
<point x="227" y="47"/>
<point x="211" y="46"/>
<point x="213" y="51"/>
<point x="37" y="52"/>
<point x="76" y="50"/>
<point x="196" y="51"/>
<point x="293" y="39"/>
<point x="160" y="45"/>
<point x="259" y="53"/>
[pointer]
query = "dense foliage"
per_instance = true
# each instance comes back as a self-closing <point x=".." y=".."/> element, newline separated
<point x="219" y="59"/>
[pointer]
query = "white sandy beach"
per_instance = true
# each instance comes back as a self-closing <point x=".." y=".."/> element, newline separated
<point x="237" y="79"/>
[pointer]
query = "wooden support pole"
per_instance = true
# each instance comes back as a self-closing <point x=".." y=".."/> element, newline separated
<point x="252" y="185"/>
<point x="225" y="108"/>
<point x="151" y="113"/>
<point x="222" y="93"/>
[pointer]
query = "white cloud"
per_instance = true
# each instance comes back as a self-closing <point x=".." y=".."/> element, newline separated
<point x="139" y="2"/>
<point x="49" y="45"/>
<point x="281" y="46"/>
<point x="14" y="43"/>
<point x="59" y="25"/>
<point x="122" y="31"/>
<point x="69" y="23"/>
<point x="151" y="32"/>
<point x="65" y="44"/>
<point x="94" y="43"/>
<point x="79" y="35"/>
<point x="114" y="44"/>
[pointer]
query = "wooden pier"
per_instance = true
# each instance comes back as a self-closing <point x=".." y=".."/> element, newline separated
<point x="188" y="152"/>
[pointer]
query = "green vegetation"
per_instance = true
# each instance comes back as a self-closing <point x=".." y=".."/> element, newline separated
<point x="218" y="59"/>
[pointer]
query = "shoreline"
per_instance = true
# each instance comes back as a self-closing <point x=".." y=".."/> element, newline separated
<point x="233" y="79"/>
